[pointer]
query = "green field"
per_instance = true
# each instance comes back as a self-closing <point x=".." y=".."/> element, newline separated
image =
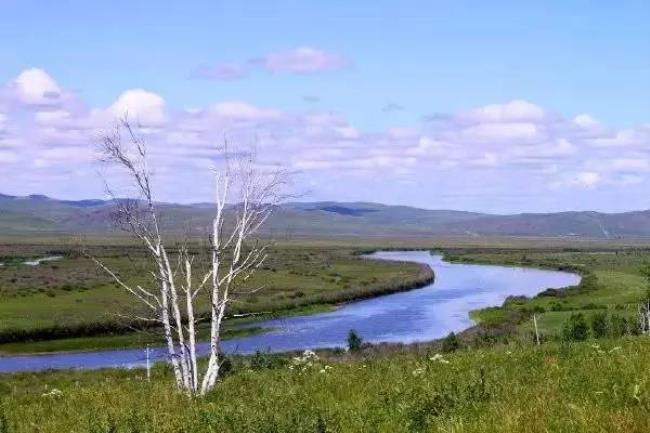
<point x="70" y="297"/>
<point x="612" y="283"/>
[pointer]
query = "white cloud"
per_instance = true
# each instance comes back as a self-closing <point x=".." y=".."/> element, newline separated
<point x="239" y="110"/>
<point x="631" y="164"/>
<point x="35" y="87"/>
<point x="497" y="151"/>
<point x="586" y="121"/>
<point x="51" y="117"/>
<point x="140" y="105"/>
<point x="588" y="179"/>
<point x="510" y="112"/>
<point x="302" y="60"/>
<point x="499" y="132"/>
<point x="623" y="138"/>
<point x="7" y="157"/>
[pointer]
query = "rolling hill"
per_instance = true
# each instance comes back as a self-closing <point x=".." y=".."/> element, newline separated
<point x="40" y="214"/>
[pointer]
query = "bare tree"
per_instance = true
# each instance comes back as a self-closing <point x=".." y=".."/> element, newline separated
<point x="186" y="289"/>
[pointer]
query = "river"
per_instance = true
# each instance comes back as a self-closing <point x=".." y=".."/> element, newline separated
<point x="421" y="314"/>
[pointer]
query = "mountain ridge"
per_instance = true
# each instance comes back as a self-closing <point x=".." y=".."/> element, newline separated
<point x="38" y="213"/>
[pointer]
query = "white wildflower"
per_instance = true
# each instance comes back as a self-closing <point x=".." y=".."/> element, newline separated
<point x="438" y="358"/>
<point x="53" y="393"/>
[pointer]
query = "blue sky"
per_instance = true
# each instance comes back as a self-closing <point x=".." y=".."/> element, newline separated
<point x="375" y="68"/>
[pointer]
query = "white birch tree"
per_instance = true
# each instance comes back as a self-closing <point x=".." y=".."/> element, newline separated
<point x="186" y="289"/>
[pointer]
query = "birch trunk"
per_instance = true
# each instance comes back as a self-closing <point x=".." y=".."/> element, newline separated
<point x="176" y="294"/>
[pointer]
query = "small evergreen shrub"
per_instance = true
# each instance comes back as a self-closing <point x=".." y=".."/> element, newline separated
<point x="354" y="341"/>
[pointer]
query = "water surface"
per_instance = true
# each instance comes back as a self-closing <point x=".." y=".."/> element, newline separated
<point x="416" y="315"/>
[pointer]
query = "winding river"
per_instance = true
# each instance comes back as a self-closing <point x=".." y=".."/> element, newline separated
<point x="417" y="315"/>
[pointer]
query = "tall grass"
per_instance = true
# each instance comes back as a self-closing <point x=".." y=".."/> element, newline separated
<point x="581" y="387"/>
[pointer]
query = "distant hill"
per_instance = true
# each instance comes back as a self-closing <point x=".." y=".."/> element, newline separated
<point x="41" y="214"/>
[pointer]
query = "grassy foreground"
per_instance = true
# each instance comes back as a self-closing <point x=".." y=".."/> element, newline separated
<point x="596" y="386"/>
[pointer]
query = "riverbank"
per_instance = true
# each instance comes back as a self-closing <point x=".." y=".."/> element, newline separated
<point x="315" y="296"/>
<point x="417" y="315"/>
<point x="611" y="285"/>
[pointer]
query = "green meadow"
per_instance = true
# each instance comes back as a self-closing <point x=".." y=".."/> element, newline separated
<point x="69" y="304"/>
<point x="594" y="386"/>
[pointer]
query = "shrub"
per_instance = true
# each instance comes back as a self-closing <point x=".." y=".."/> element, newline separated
<point x="354" y="341"/>
<point x="264" y="360"/>
<point x="599" y="325"/>
<point x="450" y="343"/>
<point x="556" y="293"/>
<point x="576" y="328"/>
<point x="619" y="326"/>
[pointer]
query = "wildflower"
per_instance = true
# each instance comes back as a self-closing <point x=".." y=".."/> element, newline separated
<point x="615" y="349"/>
<point x="53" y="393"/>
<point x="322" y="370"/>
<point x="438" y="358"/>
<point x="636" y="393"/>
<point x="418" y="371"/>
<point x="597" y="348"/>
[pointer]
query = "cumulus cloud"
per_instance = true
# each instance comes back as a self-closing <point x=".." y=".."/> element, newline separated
<point x="142" y="106"/>
<point x="35" y="87"/>
<point x="506" y="151"/>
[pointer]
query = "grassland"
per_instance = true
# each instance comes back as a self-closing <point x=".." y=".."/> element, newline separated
<point x="597" y="386"/>
<point x="503" y="384"/>
<point x="49" y="304"/>
<point x="70" y="297"/>
<point x="612" y="284"/>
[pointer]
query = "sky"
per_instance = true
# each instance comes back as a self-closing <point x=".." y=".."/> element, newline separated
<point x="500" y="106"/>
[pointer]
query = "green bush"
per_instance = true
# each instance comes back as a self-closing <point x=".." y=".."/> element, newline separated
<point x="619" y="326"/>
<point x="576" y="328"/>
<point x="599" y="325"/>
<point x="354" y="341"/>
<point x="450" y="343"/>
